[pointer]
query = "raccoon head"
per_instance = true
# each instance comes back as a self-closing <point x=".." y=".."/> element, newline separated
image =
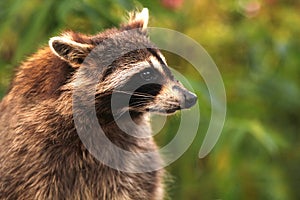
<point x="138" y="80"/>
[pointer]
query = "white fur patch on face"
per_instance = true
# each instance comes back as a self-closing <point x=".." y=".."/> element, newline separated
<point x="138" y="67"/>
<point x="156" y="64"/>
<point x="162" y="57"/>
<point x="134" y="68"/>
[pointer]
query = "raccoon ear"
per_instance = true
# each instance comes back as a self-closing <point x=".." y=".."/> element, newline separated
<point x="138" y="20"/>
<point x="69" y="50"/>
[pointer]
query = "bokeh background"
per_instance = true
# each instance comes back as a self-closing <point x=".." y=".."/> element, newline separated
<point x="256" y="46"/>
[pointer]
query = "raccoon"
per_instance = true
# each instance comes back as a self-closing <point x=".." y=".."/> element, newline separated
<point x="42" y="155"/>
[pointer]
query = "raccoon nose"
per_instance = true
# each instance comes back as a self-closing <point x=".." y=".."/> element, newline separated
<point x="190" y="99"/>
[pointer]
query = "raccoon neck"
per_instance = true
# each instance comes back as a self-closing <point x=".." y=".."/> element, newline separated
<point x="108" y="118"/>
<point x="126" y="133"/>
<point x="108" y="115"/>
<point x="134" y="124"/>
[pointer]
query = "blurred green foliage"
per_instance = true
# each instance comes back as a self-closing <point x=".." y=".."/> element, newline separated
<point x="255" y="44"/>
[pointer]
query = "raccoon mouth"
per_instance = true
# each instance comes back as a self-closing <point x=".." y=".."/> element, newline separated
<point x="173" y="110"/>
<point x="163" y="111"/>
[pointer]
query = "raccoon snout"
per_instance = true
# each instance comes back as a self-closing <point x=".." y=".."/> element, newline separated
<point x="190" y="99"/>
<point x="187" y="98"/>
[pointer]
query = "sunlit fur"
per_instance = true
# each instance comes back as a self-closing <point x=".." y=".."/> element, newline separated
<point x="41" y="155"/>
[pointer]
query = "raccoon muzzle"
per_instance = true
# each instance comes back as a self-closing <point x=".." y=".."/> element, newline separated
<point x="187" y="98"/>
<point x="190" y="99"/>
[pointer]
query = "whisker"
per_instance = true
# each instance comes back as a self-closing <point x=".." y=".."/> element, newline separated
<point x="138" y="104"/>
<point x="119" y="114"/>
<point x="134" y="93"/>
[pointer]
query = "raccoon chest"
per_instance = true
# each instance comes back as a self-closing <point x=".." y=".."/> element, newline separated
<point x="107" y="183"/>
<point x="119" y="185"/>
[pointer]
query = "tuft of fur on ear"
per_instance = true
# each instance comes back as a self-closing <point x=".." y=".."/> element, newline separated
<point x="138" y="20"/>
<point x="69" y="50"/>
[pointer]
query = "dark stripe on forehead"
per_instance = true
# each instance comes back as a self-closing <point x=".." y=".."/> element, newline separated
<point x="155" y="54"/>
<point x="151" y="64"/>
<point x="160" y="60"/>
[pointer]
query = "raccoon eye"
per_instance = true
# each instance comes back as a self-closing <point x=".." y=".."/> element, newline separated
<point x="148" y="75"/>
